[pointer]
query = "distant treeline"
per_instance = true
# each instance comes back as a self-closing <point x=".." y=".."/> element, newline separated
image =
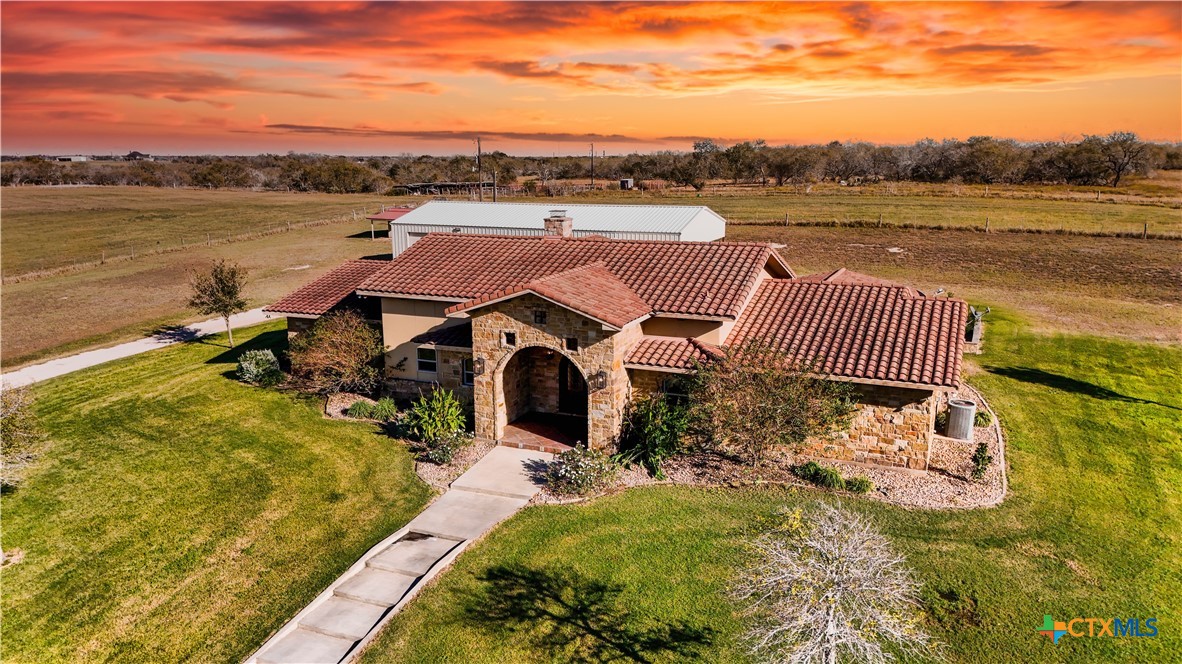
<point x="1091" y="161"/>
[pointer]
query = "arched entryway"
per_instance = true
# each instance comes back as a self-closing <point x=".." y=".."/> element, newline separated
<point x="544" y="396"/>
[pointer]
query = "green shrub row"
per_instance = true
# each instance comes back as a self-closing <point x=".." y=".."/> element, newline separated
<point x="829" y="478"/>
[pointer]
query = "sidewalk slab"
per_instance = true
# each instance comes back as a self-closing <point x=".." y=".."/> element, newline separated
<point x="412" y="556"/>
<point x="505" y="471"/>
<point x="343" y="618"/>
<point x="375" y="586"/>
<point x="463" y="515"/>
<point x="304" y="647"/>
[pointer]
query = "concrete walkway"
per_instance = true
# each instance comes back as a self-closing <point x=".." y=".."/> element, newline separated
<point x="343" y="619"/>
<point x="64" y="365"/>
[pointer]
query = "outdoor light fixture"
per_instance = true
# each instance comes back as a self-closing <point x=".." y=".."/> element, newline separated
<point x="478" y="366"/>
<point x="598" y="381"/>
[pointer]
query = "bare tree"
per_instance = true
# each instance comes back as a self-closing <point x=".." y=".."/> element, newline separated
<point x="21" y="435"/>
<point x="1123" y="153"/>
<point x="754" y="397"/>
<point x="824" y="586"/>
<point x="219" y="292"/>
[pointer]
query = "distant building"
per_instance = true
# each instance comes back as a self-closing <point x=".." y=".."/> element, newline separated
<point x="620" y="222"/>
<point x="73" y="157"/>
<point x="138" y="156"/>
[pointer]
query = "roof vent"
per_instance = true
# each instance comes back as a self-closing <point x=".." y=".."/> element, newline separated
<point x="558" y="224"/>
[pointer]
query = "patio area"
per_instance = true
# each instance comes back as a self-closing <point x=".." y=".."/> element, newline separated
<point x="545" y="432"/>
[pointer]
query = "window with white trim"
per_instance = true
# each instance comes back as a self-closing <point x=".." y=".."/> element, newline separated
<point x="428" y="360"/>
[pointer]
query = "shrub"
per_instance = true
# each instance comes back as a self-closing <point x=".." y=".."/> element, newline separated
<point x="859" y="484"/>
<point x="754" y="398"/>
<point x="339" y="353"/>
<point x="259" y="367"/>
<point x="384" y="410"/>
<point x="942" y="421"/>
<point x="361" y="409"/>
<point x="823" y="476"/>
<point x="580" y="471"/>
<point x="437" y="423"/>
<point x="653" y="430"/>
<point x="982" y="419"/>
<point x="981" y="461"/>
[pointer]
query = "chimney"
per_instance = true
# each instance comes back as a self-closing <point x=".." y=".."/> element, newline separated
<point x="558" y="224"/>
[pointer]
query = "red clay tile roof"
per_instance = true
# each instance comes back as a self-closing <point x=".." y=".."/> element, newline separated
<point x="390" y="214"/>
<point x="322" y="294"/>
<point x="847" y="278"/>
<point x="456" y="336"/>
<point x="873" y="333"/>
<point x="591" y="290"/>
<point x="669" y="353"/>
<point x="695" y="278"/>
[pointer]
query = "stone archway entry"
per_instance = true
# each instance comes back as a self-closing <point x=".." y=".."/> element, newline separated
<point x="545" y="401"/>
<point x="572" y="389"/>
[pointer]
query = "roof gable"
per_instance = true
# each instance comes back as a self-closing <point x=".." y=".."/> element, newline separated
<point x="591" y="290"/>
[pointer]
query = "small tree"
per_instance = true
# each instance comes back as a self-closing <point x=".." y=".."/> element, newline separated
<point x="218" y="291"/>
<point x="337" y="354"/>
<point x="21" y="436"/>
<point x="755" y="397"/>
<point x="823" y="586"/>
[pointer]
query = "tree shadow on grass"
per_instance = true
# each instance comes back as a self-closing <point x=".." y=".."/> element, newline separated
<point x="574" y="618"/>
<point x="174" y="333"/>
<point x="1068" y="384"/>
<point x="275" y="340"/>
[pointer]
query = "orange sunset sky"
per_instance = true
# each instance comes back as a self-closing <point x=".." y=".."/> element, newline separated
<point x="534" y="78"/>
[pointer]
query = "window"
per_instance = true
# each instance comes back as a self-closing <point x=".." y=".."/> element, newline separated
<point x="428" y="360"/>
<point x="509" y="338"/>
<point x="676" y="390"/>
<point x="467" y="374"/>
<point x="539" y="317"/>
<point x="572" y="343"/>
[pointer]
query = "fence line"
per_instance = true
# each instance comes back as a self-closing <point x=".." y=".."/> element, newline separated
<point x="1142" y="232"/>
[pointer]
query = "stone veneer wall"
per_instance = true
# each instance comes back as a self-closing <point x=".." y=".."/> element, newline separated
<point x="599" y="350"/>
<point x="892" y="428"/>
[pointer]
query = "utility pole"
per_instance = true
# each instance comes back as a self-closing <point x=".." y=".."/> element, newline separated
<point x="494" y="184"/>
<point x="592" y="166"/>
<point x="479" y="171"/>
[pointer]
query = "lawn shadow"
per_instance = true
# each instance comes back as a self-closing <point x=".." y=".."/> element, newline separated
<point x="174" y="333"/>
<point x="379" y="257"/>
<point x="364" y="235"/>
<point x="574" y="618"/>
<point x="275" y="340"/>
<point x="1068" y="384"/>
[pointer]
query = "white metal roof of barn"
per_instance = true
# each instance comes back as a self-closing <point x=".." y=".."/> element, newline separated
<point x="587" y="218"/>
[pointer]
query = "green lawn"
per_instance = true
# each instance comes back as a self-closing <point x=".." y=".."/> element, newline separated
<point x="1092" y="528"/>
<point x="181" y="515"/>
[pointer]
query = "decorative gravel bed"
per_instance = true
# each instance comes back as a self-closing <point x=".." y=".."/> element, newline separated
<point x="946" y="485"/>
<point x="442" y="476"/>
<point x="338" y="403"/>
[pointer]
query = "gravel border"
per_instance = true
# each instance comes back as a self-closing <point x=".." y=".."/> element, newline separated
<point x="441" y="477"/>
<point x="946" y="485"/>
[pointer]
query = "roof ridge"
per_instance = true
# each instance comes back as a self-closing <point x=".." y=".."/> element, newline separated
<point x="697" y="243"/>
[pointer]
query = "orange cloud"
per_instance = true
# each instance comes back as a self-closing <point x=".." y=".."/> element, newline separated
<point x="633" y="71"/>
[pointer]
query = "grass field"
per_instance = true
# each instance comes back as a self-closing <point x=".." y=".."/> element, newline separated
<point x="182" y="516"/>
<point x="49" y="227"/>
<point x="1091" y="528"/>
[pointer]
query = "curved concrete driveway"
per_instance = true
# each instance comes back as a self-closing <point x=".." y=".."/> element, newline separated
<point x="64" y="365"/>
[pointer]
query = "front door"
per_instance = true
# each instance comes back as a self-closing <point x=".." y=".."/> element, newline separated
<point x="572" y="389"/>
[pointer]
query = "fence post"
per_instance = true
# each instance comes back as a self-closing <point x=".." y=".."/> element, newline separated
<point x="104" y="260"/>
<point x="880" y="220"/>
<point x="786" y="219"/>
<point x="208" y="240"/>
<point x="1145" y="232"/>
<point x="986" y="224"/>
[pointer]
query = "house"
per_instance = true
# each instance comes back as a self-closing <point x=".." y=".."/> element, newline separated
<point x="555" y="333"/>
<point x="626" y="222"/>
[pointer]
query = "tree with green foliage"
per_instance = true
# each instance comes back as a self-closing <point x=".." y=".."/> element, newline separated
<point x="218" y="291"/>
<point x="755" y="397"/>
<point x="339" y="353"/>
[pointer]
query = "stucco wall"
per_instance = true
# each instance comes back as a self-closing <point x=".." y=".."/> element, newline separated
<point x="709" y="331"/>
<point x="403" y="318"/>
